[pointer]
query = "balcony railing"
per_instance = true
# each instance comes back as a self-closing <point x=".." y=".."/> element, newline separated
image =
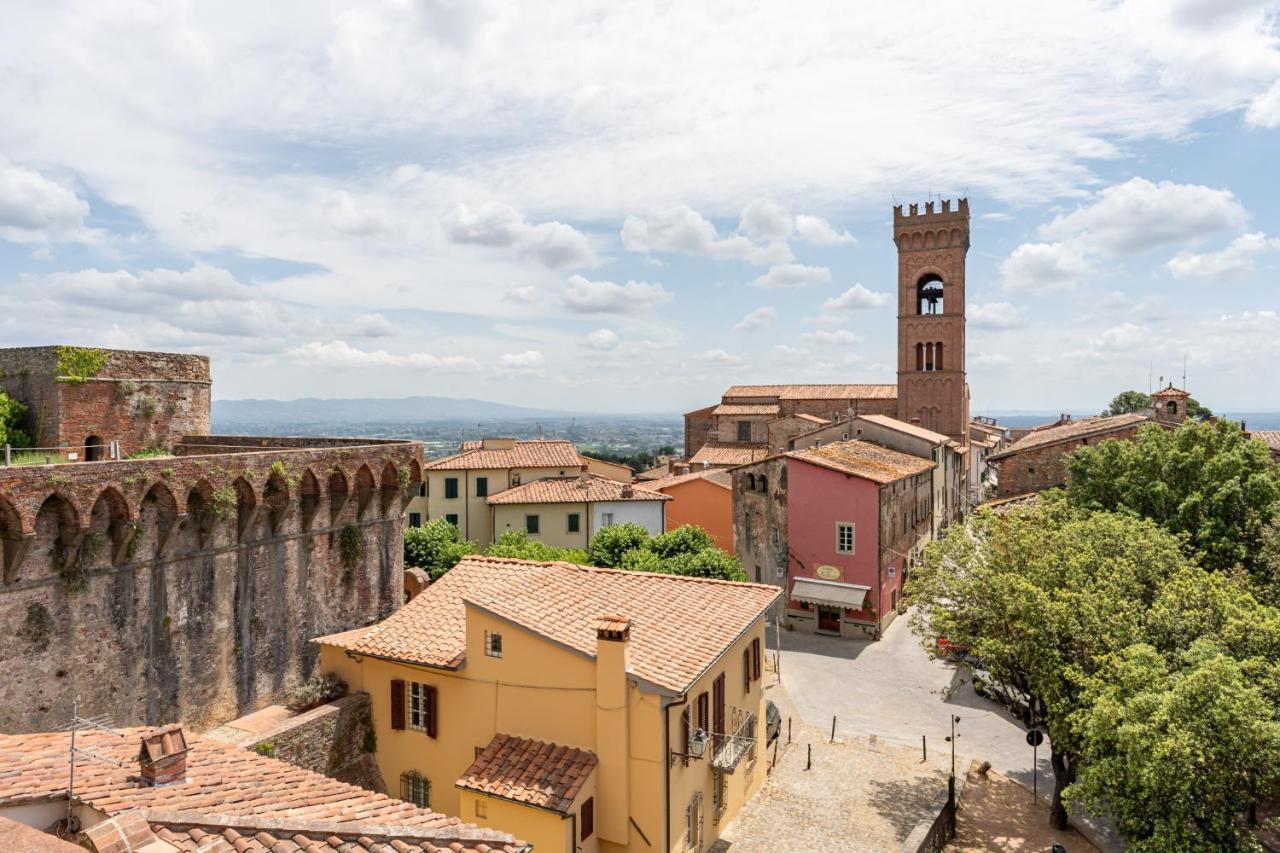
<point x="739" y="743"/>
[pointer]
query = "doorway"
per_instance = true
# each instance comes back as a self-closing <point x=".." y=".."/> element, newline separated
<point x="829" y="619"/>
<point x="93" y="449"/>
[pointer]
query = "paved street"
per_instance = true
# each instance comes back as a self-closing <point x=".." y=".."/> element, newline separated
<point x="892" y="689"/>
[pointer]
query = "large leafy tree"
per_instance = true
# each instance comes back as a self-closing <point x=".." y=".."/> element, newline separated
<point x="435" y="547"/>
<point x="1126" y="402"/>
<point x="608" y="544"/>
<point x="1040" y="595"/>
<point x="12" y="414"/>
<point x="1203" y="481"/>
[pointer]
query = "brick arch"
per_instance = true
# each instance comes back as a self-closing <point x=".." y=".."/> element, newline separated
<point x="158" y="518"/>
<point x="339" y="492"/>
<point x="389" y="487"/>
<point x="13" y="540"/>
<point x="309" y="497"/>
<point x="917" y="240"/>
<point x="276" y="500"/>
<point x="112" y="518"/>
<point x="58" y="529"/>
<point x="199" y="522"/>
<point x="364" y="490"/>
<point x="246" y="505"/>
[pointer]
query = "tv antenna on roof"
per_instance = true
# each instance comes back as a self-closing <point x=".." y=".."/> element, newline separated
<point x="102" y="723"/>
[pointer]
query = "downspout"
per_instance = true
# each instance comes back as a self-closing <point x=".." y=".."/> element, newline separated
<point x="666" y="769"/>
<point x="466" y="501"/>
<point x="879" y="562"/>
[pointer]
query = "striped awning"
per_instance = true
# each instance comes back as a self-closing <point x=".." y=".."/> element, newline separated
<point x="848" y="596"/>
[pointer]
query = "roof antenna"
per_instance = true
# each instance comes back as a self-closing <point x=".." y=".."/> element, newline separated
<point x="1184" y="371"/>
<point x="77" y="723"/>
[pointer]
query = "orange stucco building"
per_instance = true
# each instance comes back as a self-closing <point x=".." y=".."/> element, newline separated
<point x="703" y="498"/>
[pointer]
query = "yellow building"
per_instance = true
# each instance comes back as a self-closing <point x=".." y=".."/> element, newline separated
<point x="566" y="512"/>
<point x="458" y="487"/>
<point x="581" y="709"/>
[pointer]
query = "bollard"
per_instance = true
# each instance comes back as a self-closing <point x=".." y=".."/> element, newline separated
<point x="833" y="729"/>
<point x="775" y="757"/>
<point x="8" y="456"/>
<point x="788" y="730"/>
<point x="808" y="763"/>
<point x="924" y="748"/>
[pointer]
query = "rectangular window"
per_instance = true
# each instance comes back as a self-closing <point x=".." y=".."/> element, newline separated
<point x="746" y="670"/>
<point x="755" y="659"/>
<point x="493" y="644"/>
<point x="482" y="487"/>
<point x="606" y="519"/>
<point x="415" y="519"/>
<point x="744" y="430"/>
<point x="452" y="518"/>
<point x="451" y="487"/>
<point x="531" y="524"/>
<point x="693" y="821"/>
<point x="588" y="818"/>
<point x="422" y="489"/>
<point x="422" y="708"/>
<point x="845" y="540"/>
<point x="575" y="521"/>
<point x="414" y="788"/>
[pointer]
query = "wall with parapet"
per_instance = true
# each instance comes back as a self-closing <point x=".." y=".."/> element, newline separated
<point x="188" y="588"/>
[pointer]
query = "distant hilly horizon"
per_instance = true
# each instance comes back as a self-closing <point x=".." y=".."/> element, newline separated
<point x="381" y="410"/>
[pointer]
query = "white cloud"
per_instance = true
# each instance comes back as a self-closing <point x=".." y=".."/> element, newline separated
<point x="354" y="219"/>
<point x="757" y="320"/>
<point x="994" y="315"/>
<point x="820" y="232"/>
<point x="606" y="297"/>
<point x="988" y="359"/>
<point x="527" y="363"/>
<point x="36" y="209"/>
<point x="856" y="298"/>
<point x="1139" y="215"/>
<point x="526" y="295"/>
<point x="1042" y="268"/>
<point x="339" y="355"/>
<point x="719" y="356"/>
<point x="790" y="353"/>
<point x="553" y="244"/>
<point x="603" y="340"/>
<point x="1124" y="337"/>
<point x="1264" y="110"/>
<point x="787" y="276"/>
<point x="683" y="229"/>
<point x="371" y="326"/>
<point x="766" y="221"/>
<point x="836" y="337"/>
<point x="1234" y="261"/>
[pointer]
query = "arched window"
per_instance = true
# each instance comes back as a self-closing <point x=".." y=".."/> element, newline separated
<point x="414" y="788"/>
<point x="764" y="483"/>
<point x="751" y="482"/>
<point x="928" y="357"/>
<point x="1172" y="407"/>
<point x="919" y="356"/>
<point x="929" y="294"/>
<point x="937" y="356"/>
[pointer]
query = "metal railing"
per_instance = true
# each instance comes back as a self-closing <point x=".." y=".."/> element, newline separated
<point x="731" y="748"/>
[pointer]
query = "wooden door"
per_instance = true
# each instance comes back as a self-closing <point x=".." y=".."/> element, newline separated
<point x="829" y="619"/>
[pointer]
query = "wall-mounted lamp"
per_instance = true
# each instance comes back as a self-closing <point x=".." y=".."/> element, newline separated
<point x="697" y="747"/>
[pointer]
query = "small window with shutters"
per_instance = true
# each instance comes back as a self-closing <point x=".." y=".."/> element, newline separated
<point x="746" y="670"/>
<point x="414" y="788"/>
<point x="419" y="703"/>
<point x="755" y="659"/>
<point x="588" y="818"/>
<point x="704" y="706"/>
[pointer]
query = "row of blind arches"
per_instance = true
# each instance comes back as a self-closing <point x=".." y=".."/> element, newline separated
<point x="929" y="356"/>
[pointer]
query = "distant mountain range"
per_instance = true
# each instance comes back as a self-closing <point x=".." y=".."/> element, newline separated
<point x="372" y="410"/>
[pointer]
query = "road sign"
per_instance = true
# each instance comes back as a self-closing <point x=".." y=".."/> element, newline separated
<point x="1035" y="737"/>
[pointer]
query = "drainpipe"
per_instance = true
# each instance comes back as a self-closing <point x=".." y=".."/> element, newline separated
<point x="466" y="502"/>
<point x="666" y="768"/>
<point x="879" y="565"/>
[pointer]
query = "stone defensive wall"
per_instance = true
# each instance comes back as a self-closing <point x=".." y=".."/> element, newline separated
<point x="188" y="587"/>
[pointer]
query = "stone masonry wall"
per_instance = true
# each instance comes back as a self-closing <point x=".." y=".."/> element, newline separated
<point x="1044" y="467"/>
<point x="189" y="588"/>
<point x="335" y="739"/>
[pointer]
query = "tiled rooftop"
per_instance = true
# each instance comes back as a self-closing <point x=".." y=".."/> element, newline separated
<point x="815" y="392"/>
<point x="1084" y="428"/>
<point x="905" y="428"/>
<point x="237" y="792"/>
<point x="679" y="625"/>
<point x="587" y="488"/>
<point x="719" y="476"/>
<point x="746" y="409"/>
<point x="1270" y="437"/>
<point x="864" y="459"/>
<point x="531" y="453"/>
<point x="729" y="453"/>
<point x="539" y="774"/>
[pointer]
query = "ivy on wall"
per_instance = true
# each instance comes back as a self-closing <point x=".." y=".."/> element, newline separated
<point x="77" y="365"/>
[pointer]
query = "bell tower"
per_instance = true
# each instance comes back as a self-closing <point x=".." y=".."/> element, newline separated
<point x="932" y="390"/>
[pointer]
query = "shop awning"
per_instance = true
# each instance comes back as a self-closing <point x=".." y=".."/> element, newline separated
<point x="848" y="596"/>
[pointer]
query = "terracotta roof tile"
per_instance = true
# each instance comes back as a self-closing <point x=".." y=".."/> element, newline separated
<point x="815" y="392"/>
<point x="1084" y="428"/>
<point x="905" y="428"/>
<point x="864" y="459"/>
<point x="679" y="625"/>
<point x="746" y="409"/>
<point x="533" y="772"/>
<point x="532" y="453"/>
<point x="1270" y="437"/>
<point x="727" y="453"/>
<point x="719" y="476"/>
<point x="229" y="792"/>
<point x="587" y="488"/>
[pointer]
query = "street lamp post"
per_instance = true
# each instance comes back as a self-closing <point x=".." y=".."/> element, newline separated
<point x="952" y="740"/>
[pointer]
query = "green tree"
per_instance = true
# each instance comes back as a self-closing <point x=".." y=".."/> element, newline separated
<point x="435" y="547"/>
<point x="1203" y="481"/>
<point x="608" y="544"/>
<point x="1197" y="411"/>
<point x="1176" y="751"/>
<point x="708" y="563"/>
<point x="686" y="539"/>
<point x="12" y="414"/>
<point x="1040" y="595"/>
<point x="516" y="544"/>
<point x="641" y="560"/>
<point x="1126" y="402"/>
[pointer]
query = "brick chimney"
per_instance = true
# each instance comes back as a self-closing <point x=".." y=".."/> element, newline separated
<point x="613" y="747"/>
<point x="627" y="491"/>
<point x="163" y="756"/>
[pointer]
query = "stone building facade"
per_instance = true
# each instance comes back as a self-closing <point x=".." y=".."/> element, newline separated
<point x="82" y="399"/>
<point x="188" y="587"/>
<point x="932" y="389"/>
<point x="1038" y="460"/>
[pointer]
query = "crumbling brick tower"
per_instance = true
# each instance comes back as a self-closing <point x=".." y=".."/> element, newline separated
<point x="932" y="390"/>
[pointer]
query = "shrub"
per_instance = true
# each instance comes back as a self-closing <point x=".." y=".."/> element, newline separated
<point x="610" y="543"/>
<point x="315" y="691"/>
<point x="641" y="560"/>
<point x="516" y="544"/>
<point x="12" y="414"/>
<point x="689" y="539"/>
<point x="711" y="563"/>
<point x="350" y="546"/>
<point x="435" y="547"/>
<point x="77" y="365"/>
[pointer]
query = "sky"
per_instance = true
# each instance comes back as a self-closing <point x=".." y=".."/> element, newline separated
<point x="609" y="207"/>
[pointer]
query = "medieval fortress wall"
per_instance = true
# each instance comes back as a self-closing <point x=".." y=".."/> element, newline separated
<point x="187" y="587"/>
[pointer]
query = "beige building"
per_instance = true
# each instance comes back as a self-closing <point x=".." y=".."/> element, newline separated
<point x="581" y="709"/>
<point x="565" y="512"/>
<point x="458" y="487"/>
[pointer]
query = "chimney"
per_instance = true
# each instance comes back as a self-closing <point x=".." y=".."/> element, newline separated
<point x="163" y="757"/>
<point x="627" y="491"/>
<point x="613" y="786"/>
<point x="584" y="481"/>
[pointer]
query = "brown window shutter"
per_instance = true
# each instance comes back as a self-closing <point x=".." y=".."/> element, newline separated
<point x="397" y="703"/>
<point x="431" y="711"/>
<point x="717" y="709"/>
<point x="685" y="728"/>
<point x="746" y="670"/>
<point x="588" y="818"/>
<point x="703" y="716"/>
<point x="755" y="658"/>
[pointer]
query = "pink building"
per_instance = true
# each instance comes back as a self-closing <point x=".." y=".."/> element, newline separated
<point x="837" y="527"/>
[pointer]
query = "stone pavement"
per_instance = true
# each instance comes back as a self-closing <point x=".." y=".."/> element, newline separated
<point x="997" y="816"/>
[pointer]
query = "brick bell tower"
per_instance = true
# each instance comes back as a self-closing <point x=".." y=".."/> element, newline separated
<point x="932" y="390"/>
